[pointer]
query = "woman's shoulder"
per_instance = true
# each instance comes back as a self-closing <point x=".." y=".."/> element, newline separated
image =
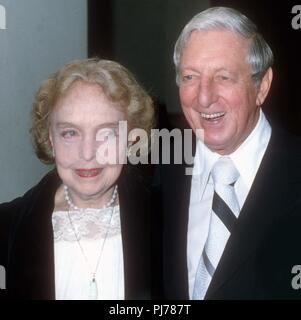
<point x="13" y="212"/>
<point x="9" y="209"/>
<point x="8" y="218"/>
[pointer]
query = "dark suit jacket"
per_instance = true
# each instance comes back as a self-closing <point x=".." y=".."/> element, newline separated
<point x="265" y="243"/>
<point x="26" y="238"/>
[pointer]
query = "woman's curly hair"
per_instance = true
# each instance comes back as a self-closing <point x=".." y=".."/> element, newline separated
<point x="118" y="84"/>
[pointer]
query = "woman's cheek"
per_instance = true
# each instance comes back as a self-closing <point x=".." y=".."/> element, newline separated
<point x="66" y="154"/>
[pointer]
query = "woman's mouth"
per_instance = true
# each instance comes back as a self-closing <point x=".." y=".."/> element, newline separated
<point x="88" y="173"/>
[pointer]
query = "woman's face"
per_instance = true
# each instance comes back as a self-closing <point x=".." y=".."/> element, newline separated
<point x="83" y="120"/>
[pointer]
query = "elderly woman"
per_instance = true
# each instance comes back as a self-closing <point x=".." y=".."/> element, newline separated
<point x="83" y="232"/>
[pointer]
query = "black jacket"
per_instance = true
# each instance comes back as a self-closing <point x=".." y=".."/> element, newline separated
<point x="27" y="247"/>
<point x="265" y="244"/>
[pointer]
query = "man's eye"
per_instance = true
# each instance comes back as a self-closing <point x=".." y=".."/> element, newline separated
<point x="69" y="134"/>
<point x="187" y="77"/>
<point x="223" y="78"/>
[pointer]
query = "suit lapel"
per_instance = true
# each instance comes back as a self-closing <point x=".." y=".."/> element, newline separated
<point x="264" y="205"/>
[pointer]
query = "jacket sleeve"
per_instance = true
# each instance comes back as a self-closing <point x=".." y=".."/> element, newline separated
<point x="8" y="219"/>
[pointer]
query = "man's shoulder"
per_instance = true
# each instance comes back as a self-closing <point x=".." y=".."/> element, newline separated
<point x="285" y="138"/>
<point x="284" y="146"/>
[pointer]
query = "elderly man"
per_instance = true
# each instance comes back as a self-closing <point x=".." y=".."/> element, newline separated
<point x="230" y="228"/>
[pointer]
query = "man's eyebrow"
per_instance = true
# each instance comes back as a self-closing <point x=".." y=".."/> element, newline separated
<point x="188" y="68"/>
<point x="223" y="69"/>
<point x="193" y="69"/>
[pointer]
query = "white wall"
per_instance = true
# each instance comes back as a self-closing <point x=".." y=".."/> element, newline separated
<point x="40" y="37"/>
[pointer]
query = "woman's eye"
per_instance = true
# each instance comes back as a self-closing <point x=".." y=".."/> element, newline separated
<point x="69" y="134"/>
<point x="105" y="134"/>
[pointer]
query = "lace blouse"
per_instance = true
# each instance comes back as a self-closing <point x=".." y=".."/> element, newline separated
<point x="91" y="237"/>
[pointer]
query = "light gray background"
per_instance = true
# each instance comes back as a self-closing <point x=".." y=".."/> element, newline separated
<point x="40" y="37"/>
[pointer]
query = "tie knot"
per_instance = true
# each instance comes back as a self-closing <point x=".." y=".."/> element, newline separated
<point x="224" y="172"/>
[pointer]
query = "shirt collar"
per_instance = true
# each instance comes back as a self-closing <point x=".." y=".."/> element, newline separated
<point x="248" y="156"/>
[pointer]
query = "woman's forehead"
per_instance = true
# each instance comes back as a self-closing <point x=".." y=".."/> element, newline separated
<point x="86" y="103"/>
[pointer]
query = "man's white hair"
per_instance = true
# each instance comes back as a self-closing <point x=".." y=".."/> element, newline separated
<point x="260" y="55"/>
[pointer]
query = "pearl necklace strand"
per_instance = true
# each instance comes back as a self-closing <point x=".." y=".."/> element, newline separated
<point x="74" y="207"/>
<point x="93" y="284"/>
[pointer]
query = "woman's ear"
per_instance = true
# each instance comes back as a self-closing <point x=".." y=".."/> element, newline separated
<point x="264" y="87"/>
<point x="51" y="142"/>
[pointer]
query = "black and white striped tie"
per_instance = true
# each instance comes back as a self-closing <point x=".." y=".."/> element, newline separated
<point x="225" y="210"/>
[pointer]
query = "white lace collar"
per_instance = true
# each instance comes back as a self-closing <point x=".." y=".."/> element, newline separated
<point x="91" y="224"/>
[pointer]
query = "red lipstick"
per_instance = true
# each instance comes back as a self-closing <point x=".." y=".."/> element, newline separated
<point x="88" y="173"/>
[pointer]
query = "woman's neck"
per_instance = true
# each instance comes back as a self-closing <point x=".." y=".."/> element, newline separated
<point x="97" y="201"/>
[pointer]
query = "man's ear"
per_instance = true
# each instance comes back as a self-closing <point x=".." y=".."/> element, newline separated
<point x="264" y="87"/>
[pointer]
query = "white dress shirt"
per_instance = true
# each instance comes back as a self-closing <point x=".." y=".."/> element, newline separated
<point x="246" y="159"/>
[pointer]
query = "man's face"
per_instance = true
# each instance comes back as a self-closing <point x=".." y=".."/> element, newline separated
<point x="217" y="92"/>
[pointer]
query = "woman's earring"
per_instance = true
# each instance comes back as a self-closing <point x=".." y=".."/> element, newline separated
<point x="53" y="153"/>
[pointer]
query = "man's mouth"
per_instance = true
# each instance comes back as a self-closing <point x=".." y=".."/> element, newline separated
<point x="212" y="116"/>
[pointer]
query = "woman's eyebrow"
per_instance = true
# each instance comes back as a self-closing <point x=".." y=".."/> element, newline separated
<point x="103" y="125"/>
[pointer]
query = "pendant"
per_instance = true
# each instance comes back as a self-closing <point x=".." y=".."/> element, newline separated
<point x="93" y="293"/>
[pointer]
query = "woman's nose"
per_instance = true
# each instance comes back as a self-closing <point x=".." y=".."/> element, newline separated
<point x="88" y="149"/>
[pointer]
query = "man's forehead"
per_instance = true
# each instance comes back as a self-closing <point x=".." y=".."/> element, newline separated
<point x="222" y="33"/>
<point x="219" y="44"/>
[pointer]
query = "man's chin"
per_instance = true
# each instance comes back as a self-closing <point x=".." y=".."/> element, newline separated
<point x="217" y="146"/>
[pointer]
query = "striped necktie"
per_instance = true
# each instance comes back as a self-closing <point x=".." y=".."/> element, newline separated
<point x="225" y="210"/>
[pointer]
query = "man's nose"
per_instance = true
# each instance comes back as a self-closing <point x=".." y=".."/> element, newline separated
<point x="207" y="94"/>
<point x="88" y="149"/>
